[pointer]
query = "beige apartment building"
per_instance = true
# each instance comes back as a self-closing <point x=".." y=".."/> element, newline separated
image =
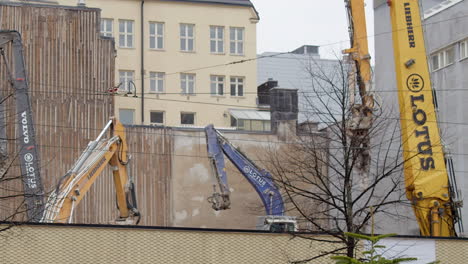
<point x="181" y="62"/>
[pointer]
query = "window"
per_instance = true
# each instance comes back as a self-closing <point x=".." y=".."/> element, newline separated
<point x="157" y="82"/>
<point x="443" y="58"/>
<point x="106" y="27"/>
<point x="126" y="116"/>
<point x="126" y="33"/>
<point x="187" y="83"/>
<point x="126" y="81"/>
<point x="250" y="124"/>
<point x="464" y="49"/>
<point x="187" y="37"/>
<point x="157" y="117"/>
<point x="236" y="36"/>
<point x="216" y="39"/>
<point x="217" y="85"/>
<point x="187" y="118"/>
<point x="156" y="35"/>
<point x="237" y="86"/>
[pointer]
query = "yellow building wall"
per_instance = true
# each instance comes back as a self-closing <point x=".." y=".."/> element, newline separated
<point x="172" y="61"/>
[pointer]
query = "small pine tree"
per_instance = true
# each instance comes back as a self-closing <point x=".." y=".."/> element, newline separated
<point x="370" y="256"/>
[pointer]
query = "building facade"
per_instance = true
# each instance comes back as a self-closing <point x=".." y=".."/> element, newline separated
<point x="296" y="70"/>
<point x="181" y="63"/>
<point x="446" y="40"/>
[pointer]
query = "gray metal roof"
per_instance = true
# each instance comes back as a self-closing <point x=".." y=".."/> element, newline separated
<point x="440" y="7"/>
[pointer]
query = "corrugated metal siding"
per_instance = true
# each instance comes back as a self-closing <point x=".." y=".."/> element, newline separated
<point x="69" y="67"/>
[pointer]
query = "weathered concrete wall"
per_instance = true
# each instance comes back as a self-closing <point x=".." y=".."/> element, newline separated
<point x="69" y="68"/>
<point x="193" y="181"/>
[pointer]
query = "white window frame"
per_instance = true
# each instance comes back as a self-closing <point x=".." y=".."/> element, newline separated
<point x="185" y="38"/>
<point x="235" y="43"/>
<point x="217" y="39"/>
<point x="163" y="116"/>
<point x="188" y="113"/>
<point x="125" y="77"/>
<point x="463" y="49"/>
<point x="157" y="82"/>
<point x="125" y="36"/>
<point x="238" y="80"/>
<point x="156" y="35"/>
<point x="217" y="87"/>
<point x="442" y="58"/>
<point x="187" y="79"/>
<point x="107" y="27"/>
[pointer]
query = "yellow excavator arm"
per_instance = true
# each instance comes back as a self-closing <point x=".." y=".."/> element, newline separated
<point x="76" y="183"/>
<point x="426" y="177"/>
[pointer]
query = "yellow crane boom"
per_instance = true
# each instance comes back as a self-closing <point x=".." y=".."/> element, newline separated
<point x="359" y="77"/>
<point x="426" y="177"/>
<point x="77" y="182"/>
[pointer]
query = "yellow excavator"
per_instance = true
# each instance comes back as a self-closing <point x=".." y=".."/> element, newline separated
<point x="76" y="183"/>
<point x="427" y="181"/>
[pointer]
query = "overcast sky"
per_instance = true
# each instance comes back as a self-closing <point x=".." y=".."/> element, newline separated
<point x="287" y="25"/>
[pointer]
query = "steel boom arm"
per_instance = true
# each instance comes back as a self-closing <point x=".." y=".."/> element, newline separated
<point x="426" y="177"/>
<point x="87" y="169"/>
<point x="260" y="179"/>
<point x="28" y="154"/>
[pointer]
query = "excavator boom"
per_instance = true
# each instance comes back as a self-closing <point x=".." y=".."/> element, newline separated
<point x="28" y="154"/>
<point x="260" y="179"/>
<point x="76" y="183"/>
<point x="426" y="177"/>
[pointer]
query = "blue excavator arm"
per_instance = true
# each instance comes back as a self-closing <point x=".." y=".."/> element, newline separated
<point x="260" y="179"/>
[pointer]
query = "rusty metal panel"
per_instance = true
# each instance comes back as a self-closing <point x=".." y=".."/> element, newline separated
<point x="70" y="68"/>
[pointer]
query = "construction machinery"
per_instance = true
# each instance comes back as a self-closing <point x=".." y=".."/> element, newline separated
<point x="76" y="183"/>
<point x="360" y="78"/>
<point x="428" y="184"/>
<point x="260" y="179"/>
<point x="27" y="154"/>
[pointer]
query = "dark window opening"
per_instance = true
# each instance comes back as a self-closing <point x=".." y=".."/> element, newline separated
<point x="187" y="118"/>
<point x="157" y="117"/>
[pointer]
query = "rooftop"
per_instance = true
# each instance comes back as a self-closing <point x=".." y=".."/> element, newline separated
<point x="440" y="7"/>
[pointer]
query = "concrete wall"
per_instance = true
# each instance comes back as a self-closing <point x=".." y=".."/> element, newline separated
<point x="174" y="178"/>
<point x="69" y="68"/>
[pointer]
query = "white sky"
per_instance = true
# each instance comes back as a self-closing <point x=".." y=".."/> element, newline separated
<point x="287" y="25"/>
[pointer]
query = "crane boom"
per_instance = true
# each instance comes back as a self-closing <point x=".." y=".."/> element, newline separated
<point x="426" y="177"/>
<point x="28" y="154"/>
<point x="359" y="77"/>
<point x="359" y="50"/>
<point x="260" y="179"/>
<point x="76" y="183"/>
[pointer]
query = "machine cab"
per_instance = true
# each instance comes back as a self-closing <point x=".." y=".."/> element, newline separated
<point x="277" y="223"/>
